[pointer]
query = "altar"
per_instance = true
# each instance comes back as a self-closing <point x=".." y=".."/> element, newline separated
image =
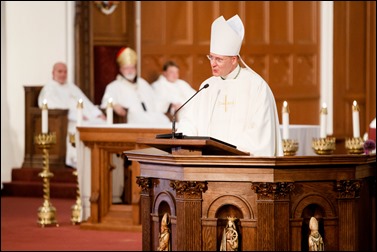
<point x="95" y="145"/>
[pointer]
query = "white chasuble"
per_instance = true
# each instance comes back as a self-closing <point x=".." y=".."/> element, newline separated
<point x="240" y="111"/>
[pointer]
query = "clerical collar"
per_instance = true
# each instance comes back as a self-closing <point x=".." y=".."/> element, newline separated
<point x="233" y="75"/>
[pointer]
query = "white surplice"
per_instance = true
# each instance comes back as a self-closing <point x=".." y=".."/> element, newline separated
<point x="131" y="96"/>
<point x="66" y="96"/>
<point x="177" y="92"/>
<point x="239" y="110"/>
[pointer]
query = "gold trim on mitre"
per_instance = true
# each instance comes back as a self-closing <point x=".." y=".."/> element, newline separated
<point x="126" y="56"/>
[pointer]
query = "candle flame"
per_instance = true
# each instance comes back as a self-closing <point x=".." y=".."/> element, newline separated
<point x="324" y="109"/>
<point x="44" y="104"/>
<point x="110" y="102"/>
<point x="355" y="107"/>
<point x="80" y="103"/>
<point x="285" y="107"/>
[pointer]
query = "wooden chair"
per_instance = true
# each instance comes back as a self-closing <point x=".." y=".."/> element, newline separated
<point x="57" y="122"/>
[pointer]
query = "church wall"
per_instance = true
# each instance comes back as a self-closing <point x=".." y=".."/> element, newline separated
<point x="34" y="35"/>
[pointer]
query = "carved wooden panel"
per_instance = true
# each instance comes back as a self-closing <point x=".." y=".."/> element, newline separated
<point x="94" y="28"/>
<point x="354" y="64"/>
<point x="115" y="28"/>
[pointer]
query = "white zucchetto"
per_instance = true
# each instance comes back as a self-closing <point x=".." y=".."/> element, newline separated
<point x="227" y="36"/>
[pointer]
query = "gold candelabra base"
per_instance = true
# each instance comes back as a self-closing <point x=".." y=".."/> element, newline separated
<point x="76" y="208"/>
<point x="72" y="139"/>
<point x="324" y="146"/>
<point x="355" y="145"/>
<point x="46" y="213"/>
<point x="290" y="147"/>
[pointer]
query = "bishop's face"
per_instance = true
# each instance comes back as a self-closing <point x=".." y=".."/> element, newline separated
<point x="222" y="65"/>
<point x="128" y="71"/>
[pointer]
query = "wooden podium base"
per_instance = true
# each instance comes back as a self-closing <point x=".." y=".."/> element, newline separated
<point x="119" y="218"/>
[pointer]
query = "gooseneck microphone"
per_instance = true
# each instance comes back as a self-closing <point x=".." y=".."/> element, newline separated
<point x="175" y="113"/>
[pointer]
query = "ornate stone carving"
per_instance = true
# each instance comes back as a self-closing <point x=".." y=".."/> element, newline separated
<point x="272" y="191"/>
<point x="144" y="183"/>
<point x="189" y="188"/>
<point x="348" y="188"/>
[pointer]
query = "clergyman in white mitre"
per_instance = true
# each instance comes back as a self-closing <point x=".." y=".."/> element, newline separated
<point x="238" y="107"/>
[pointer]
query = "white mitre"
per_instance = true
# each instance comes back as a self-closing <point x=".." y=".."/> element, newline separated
<point x="227" y="36"/>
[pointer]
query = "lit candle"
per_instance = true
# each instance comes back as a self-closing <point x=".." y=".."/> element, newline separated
<point x="285" y="116"/>
<point x="323" y="121"/>
<point x="109" y="111"/>
<point x="355" y="120"/>
<point x="44" y="117"/>
<point x="79" y="112"/>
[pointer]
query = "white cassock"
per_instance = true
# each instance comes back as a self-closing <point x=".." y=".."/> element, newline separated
<point x="66" y="96"/>
<point x="131" y="96"/>
<point x="239" y="110"/>
<point x="177" y="92"/>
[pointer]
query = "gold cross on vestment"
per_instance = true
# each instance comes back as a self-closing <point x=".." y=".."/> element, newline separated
<point x="225" y="103"/>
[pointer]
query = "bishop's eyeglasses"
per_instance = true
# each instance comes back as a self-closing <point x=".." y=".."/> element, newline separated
<point x="216" y="59"/>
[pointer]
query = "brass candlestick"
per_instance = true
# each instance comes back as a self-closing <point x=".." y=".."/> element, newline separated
<point x="46" y="213"/>
<point x="76" y="208"/>
<point x="290" y="147"/>
<point x="324" y="146"/>
<point x="355" y="145"/>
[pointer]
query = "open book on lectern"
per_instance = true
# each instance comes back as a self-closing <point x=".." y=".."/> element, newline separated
<point x="181" y="136"/>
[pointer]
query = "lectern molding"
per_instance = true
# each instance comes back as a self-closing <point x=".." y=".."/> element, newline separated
<point x="193" y="146"/>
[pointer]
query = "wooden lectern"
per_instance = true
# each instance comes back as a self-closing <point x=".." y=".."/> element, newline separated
<point x="270" y="199"/>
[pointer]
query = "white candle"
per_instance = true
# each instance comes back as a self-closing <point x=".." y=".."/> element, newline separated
<point x="323" y="121"/>
<point x="355" y="120"/>
<point x="79" y="112"/>
<point x="109" y="111"/>
<point x="285" y="116"/>
<point x="44" y="117"/>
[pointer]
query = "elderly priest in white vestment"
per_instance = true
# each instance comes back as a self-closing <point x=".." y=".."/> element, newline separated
<point x="134" y="93"/>
<point x="61" y="94"/>
<point x="238" y="107"/>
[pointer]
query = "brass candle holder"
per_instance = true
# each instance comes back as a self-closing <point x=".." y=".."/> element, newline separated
<point x="324" y="146"/>
<point x="290" y="147"/>
<point x="72" y="139"/>
<point x="46" y="213"/>
<point x="76" y="208"/>
<point x="355" y="145"/>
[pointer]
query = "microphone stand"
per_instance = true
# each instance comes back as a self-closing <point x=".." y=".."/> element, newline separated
<point x="173" y="127"/>
<point x="175" y="113"/>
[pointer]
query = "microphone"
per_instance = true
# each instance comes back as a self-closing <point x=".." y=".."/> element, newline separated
<point x="175" y="113"/>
